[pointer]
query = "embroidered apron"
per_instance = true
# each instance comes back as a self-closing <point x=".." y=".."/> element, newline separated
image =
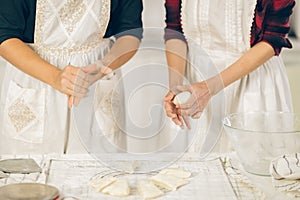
<point x="218" y="33"/>
<point x="35" y="116"/>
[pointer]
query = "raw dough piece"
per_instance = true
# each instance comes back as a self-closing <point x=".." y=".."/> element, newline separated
<point x="100" y="184"/>
<point x="118" y="188"/>
<point x="180" y="173"/>
<point x="168" y="182"/>
<point x="148" y="190"/>
<point x="181" y="98"/>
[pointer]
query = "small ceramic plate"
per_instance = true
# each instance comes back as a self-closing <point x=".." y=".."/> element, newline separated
<point x="28" y="191"/>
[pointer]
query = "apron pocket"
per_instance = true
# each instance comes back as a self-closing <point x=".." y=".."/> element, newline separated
<point x="24" y="113"/>
<point x="106" y="101"/>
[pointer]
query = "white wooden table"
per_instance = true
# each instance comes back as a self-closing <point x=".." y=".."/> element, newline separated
<point x="215" y="178"/>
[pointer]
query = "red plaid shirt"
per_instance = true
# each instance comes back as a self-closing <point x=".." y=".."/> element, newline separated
<point x="271" y="22"/>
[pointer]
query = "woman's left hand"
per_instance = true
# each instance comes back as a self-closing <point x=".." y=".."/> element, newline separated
<point x="194" y="106"/>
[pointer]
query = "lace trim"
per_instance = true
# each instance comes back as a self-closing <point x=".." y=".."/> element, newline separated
<point x="230" y="25"/>
<point x="251" y="17"/>
<point x="65" y="51"/>
<point x="20" y="114"/>
<point x="71" y="13"/>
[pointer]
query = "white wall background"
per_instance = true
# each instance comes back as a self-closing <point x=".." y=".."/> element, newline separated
<point x="295" y="21"/>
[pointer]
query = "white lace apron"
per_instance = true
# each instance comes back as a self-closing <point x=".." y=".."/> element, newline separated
<point x="218" y="33"/>
<point x="34" y="117"/>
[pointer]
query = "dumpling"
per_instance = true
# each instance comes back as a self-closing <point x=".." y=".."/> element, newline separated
<point x="180" y="173"/>
<point x="118" y="188"/>
<point x="148" y="190"/>
<point x="168" y="182"/>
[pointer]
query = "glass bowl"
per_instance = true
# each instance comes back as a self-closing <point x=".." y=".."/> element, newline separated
<point x="259" y="137"/>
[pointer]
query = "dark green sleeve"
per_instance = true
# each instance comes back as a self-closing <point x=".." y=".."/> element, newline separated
<point x="17" y="20"/>
<point x="125" y="18"/>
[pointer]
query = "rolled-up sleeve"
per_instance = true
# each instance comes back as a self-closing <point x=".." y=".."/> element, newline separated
<point x="17" y="20"/>
<point x="125" y="19"/>
<point x="173" y="29"/>
<point x="272" y="23"/>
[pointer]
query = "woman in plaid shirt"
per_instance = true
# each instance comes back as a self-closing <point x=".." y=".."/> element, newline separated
<point x="228" y="50"/>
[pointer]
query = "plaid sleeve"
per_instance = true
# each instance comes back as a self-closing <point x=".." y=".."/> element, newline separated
<point x="271" y="23"/>
<point x="173" y="29"/>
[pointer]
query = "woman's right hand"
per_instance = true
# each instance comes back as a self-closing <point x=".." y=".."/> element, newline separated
<point x="91" y="74"/>
<point x="71" y="81"/>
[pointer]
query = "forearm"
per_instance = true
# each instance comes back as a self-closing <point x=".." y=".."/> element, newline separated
<point x="122" y="50"/>
<point x="25" y="59"/>
<point x="250" y="61"/>
<point x="176" y="51"/>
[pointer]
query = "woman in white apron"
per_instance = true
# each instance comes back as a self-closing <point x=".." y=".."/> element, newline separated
<point x="231" y="64"/>
<point x="34" y="114"/>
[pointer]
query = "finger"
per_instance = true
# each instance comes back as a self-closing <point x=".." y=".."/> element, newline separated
<point x="81" y="82"/>
<point x="73" y="70"/>
<point x="69" y="90"/>
<point x="70" y="101"/>
<point x="171" y="114"/>
<point x="81" y="74"/>
<point x="170" y="110"/>
<point x="197" y="115"/>
<point x="184" y="118"/>
<point x="76" y="101"/>
<point x="77" y="89"/>
<point x="177" y="121"/>
<point x="195" y="109"/>
<point x="90" y="69"/>
<point x="80" y="92"/>
<point x="74" y="89"/>
<point x="80" y="78"/>
<point x="180" y="121"/>
<point x="169" y="97"/>
<point x="186" y="121"/>
<point x="183" y="112"/>
<point x="191" y="110"/>
<point x="69" y="76"/>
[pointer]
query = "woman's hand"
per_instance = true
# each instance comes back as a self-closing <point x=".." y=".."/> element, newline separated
<point x="95" y="72"/>
<point x="91" y="73"/>
<point x="194" y="106"/>
<point x="172" y="111"/>
<point x="71" y="81"/>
